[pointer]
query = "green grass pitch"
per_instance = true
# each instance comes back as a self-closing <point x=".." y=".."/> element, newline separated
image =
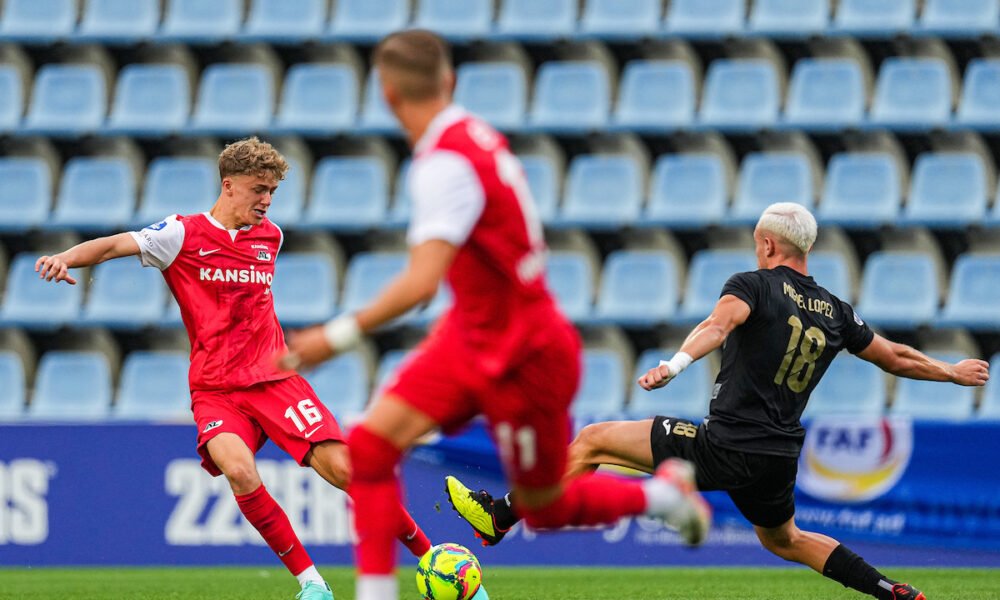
<point x="502" y="583"/>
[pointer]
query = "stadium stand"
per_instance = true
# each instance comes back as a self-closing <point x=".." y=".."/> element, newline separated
<point x="305" y="288"/>
<point x="38" y="21"/>
<point x="655" y="95"/>
<point x="154" y="387"/>
<point x="27" y="193"/>
<point x="177" y="186"/>
<point x="931" y="400"/>
<point x="899" y="290"/>
<point x="687" y="191"/>
<point x="67" y="100"/>
<point x="825" y="93"/>
<point x="317" y="99"/>
<point x="602" y="387"/>
<point x="343" y="383"/>
<point x="495" y="91"/>
<point x="686" y="397"/>
<point x="851" y="386"/>
<point x="95" y="194"/>
<point x="13" y="389"/>
<point x="591" y="181"/>
<point x="638" y="288"/>
<point x="71" y="386"/>
<point x="348" y="194"/>
<point x="123" y="295"/>
<point x="118" y="21"/>
<point x="862" y="190"/>
<point x="571" y="96"/>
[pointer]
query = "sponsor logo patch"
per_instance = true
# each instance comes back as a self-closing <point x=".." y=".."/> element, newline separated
<point x="156" y="226"/>
<point x="263" y="255"/>
<point x="212" y="426"/>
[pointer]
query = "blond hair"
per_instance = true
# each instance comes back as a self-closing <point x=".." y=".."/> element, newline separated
<point x="791" y="222"/>
<point x="252" y="157"/>
<point x="416" y="60"/>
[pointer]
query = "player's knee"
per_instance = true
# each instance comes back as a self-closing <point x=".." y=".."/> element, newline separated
<point x="242" y="476"/>
<point x="340" y="467"/>
<point x="372" y="457"/>
<point x="588" y="444"/>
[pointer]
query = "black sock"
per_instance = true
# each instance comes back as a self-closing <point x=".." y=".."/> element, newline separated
<point x="850" y="570"/>
<point x="503" y="513"/>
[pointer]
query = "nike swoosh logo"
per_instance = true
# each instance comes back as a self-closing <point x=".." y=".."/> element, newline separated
<point x="309" y="435"/>
<point x="204" y="252"/>
<point x="280" y="554"/>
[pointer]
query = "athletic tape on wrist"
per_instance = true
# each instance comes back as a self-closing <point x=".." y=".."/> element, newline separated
<point x="677" y="363"/>
<point x="342" y="333"/>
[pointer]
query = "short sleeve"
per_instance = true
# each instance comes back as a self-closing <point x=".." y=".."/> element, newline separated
<point x="160" y="243"/>
<point x="745" y="286"/>
<point x="447" y="196"/>
<point x="857" y="334"/>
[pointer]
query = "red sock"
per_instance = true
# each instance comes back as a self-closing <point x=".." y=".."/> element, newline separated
<point x="589" y="500"/>
<point x="378" y="515"/>
<point x="263" y="512"/>
<point x="412" y="536"/>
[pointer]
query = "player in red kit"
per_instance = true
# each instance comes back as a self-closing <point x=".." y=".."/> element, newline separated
<point x="503" y="350"/>
<point x="219" y="265"/>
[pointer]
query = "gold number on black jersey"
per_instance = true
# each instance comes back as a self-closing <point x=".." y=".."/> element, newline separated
<point x="796" y="371"/>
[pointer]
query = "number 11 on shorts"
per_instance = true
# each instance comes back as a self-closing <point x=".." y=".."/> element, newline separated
<point x="307" y="412"/>
<point x="524" y="438"/>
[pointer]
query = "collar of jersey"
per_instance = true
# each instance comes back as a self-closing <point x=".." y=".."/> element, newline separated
<point x="441" y="121"/>
<point x="213" y="221"/>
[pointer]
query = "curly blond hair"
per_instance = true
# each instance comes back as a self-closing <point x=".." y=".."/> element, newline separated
<point x="252" y="157"/>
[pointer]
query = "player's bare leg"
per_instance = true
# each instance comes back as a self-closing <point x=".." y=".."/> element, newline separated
<point x="828" y="557"/>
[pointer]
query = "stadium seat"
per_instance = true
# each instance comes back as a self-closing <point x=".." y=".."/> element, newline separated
<point x="181" y="186"/>
<point x="829" y="269"/>
<point x="543" y="182"/>
<point x="862" y="189"/>
<point x="912" y="93"/>
<point x="27" y="193"/>
<point x="96" y="194"/>
<point x="947" y="190"/>
<point x="789" y="18"/>
<point x="368" y="20"/>
<point x="150" y="100"/>
<point x="67" y="100"/>
<point x="571" y="96"/>
<point x="686" y="397"/>
<point x="537" y="19"/>
<point x="455" y="19"/>
<point x="124" y="295"/>
<point x="825" y="93"/>
<point x="707" y="274"/>
<point x="12" y="386"/>
<point x="119" y="21"/>
<point x="740" y="94"/>
<point x="899" y="290"/>
<point x="289" y="199"/>
<point x="375" y="114"/>
<point x="36" y="304"/>
<point x="234" y="99"/>
<point x="154" y="387"/>
<point x="972" y="293"/>
<point x="172" y="316"/>
<point x="850" y="387"/>
<point x="705" y="18"/>
<point x="655" y="95"/>
<point x="318" y="99"/>
<point x="638" y="289"/>
<point x="571" y="280"/>
<point x="688" y="191"/>
<point x="989" y="407"/>
<point x="602" y="192"/>
<point x="876" y="18"/>
<point x="495" y="91"/>
<point x="602" y="385"/>
<point x="398" y="215"/>
<point x="11" y="98"/>
<point x="387" y="367"/>
<point x="201" y="22"/>
<point x="367" y="274"/>
<point x="305" y="288"/>
<point x="768" y="177"/>
<point x="71" y="386"/>
<point x="342" y="384"/>
<point x="37" y="21"/>
<point x="965" y="18"/>
<point x="934" y="400"/>
<point x="620" y="19"/>
<point x="979" y="106"/>
<point x="285" y="20"/>
<point x="348" y="194"/>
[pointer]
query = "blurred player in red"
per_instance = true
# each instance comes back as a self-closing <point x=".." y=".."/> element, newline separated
<point x="219" y="265"/>
<point x="503" y="349"/>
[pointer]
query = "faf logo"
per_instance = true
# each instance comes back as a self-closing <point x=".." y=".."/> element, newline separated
<point x="854" y="460"/>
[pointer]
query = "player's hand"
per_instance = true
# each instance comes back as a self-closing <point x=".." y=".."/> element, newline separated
<point x="656" y="377"/>
<point x="306" y="349"/>
<point x="971" y="372"/>
<point x="53" y="268"/>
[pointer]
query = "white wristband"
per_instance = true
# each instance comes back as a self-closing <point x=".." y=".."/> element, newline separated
<point x="678" y="363"/>
<point x="342" y="333"/>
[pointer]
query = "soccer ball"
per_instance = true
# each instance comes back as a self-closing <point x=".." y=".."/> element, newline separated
<point x="449" y="572"/>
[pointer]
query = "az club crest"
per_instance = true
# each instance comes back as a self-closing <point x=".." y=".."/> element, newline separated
<point x="263" y="255"/>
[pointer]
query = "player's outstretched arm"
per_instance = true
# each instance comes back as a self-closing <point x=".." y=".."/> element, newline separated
<point x="904" y="361"/>
<point x="56" y="268"/>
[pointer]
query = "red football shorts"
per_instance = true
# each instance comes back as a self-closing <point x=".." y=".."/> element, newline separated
<point x="286" y="411"/>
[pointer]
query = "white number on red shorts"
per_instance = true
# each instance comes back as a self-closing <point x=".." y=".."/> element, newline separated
<point x="524" y="437"/>
<point x="308" y="412"/>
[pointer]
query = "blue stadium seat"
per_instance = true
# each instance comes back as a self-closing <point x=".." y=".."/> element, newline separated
<point x="349" y="193"/>
<point x="709" y="271"/>
<point x="285" y="20"/>
<point x="124" y="295"/>
<point x="972" y="293"/>
<point x="705" y="18"/>
<point x="27" y="193"/>
<point x="980" y="104"/>
<point x="989" y="407"/>
<point x="318" y="99"/>
<point x="740" y="94"/>
<point x="234" y="99"/>
<point x="198" y="21"/>
<point x="12" y="386"/>
<point x="947" y="190"/>
<point x="368" y="20"/>
<point x="181" y="186"/>
<point x="621" y="19"/>
<point x="543" y="183"/>
<point x="688" y="191"/>
<point x="862" y="189"/>
<point x="880" y="18"/>
<point x="537" y="19"/>
<point x="964" y="18"/>
<point x="789" y="18"/>
<point x="570" y="278"/>
<point x="899" y="290"/>
<point x="96" y="194"/>
<point x="289" y="199"/>
<point x="399" y="213"/>
<point x="455" y="19"/>
<point x="829" y="269"/>
<point x="150" y="100"/>
<point x="912" y="93"/>
<point x="154" y="387"/>
<point x="172" y="316"/>
<point x="36" y="304"/>
<point x="572" y="96"/>
<point x="11" y="98"/>
<point x="67" y="100"/>
<point x="37" y="21"/>
<point x="850" y="387"/>
<point x="933" y="400"/>
<point x="602" y="192"/>
<point x="305" y="289"/>
<point x="498" y="92"/>
<point x="655" y="95"/>
<point x="768" y="177"/>
<point x="387" y="367"/>
<point x="342" y="384"/>
<point x="638" y="288"/>
<point x="119" y="21"/>
<point x="602" y="385"/>
<point x="825" y="93"/>
<point x="71" y="386"/>
<point x="367" y="274"/>
<point x="375" y="114"/>
<point x="686" y="397"/>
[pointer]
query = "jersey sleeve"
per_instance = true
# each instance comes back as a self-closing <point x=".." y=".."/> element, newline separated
<point x="447" y="198"/>
<point x="160" y="243"/>
<point x="745" y="286"/>
<point x="857" y="334"/>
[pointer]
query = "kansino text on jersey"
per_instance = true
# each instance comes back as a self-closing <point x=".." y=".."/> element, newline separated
<point x="235" y="275"/>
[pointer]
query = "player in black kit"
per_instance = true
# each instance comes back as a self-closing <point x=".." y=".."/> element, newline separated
<point x="779" y="331"/>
